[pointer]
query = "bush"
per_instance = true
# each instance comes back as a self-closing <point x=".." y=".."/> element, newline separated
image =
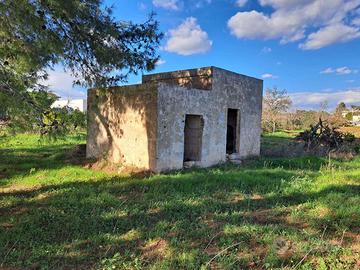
<point x="61" y="121"/>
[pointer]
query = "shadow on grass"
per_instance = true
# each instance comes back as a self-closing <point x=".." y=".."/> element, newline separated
<point x="174" y="221"/>
<point x="19" y="162"/>
<point x="78" y="225"/>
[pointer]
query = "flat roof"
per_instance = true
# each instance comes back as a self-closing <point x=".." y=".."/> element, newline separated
<point x="184" y="73"/>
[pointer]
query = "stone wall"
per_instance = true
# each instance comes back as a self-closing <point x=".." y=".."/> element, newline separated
<point x="229" y="90"/>
<point x="122" y="125"/>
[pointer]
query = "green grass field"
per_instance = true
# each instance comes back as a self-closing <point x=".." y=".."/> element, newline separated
<point x="299" y="213"/>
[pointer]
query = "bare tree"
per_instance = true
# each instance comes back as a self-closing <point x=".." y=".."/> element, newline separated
<point x="275" y="102"/>
<point x="323" y="107"/>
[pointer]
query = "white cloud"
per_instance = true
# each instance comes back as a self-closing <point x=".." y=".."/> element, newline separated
<point x="142" y="6"/>
<point x="188" y="38"/>
<point x="269" y="76"/>
<point x="339" y="71"/>
<point x="313" y="99"/>
<point x="266" y="50"/>
<point x="201" y="3"/>
<point x="343" y="71"/>
<point x="336" y="33"/>
<point x="327" y="71"/>
<point x="167" y="4"/>
<point x="160" y="62"/>
<point x="322" y="22"/>
<point x="61" y="83"/>
<point x="241" y="3"/>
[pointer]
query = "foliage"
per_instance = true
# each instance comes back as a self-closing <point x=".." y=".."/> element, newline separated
<point x="275" y="102"/>
<point x="83" y="36"/>
<point x="337" y="119"/>
<point x="300" y="119"/>
<point x="59" y="215"/>
<point x="303" y="119"/>
<point x="20" y="116"/>
<point x="340" y="108"/>
<point x="77" y="119"/>
<point x="349" y="116"/>
<point x="60" y="121"/>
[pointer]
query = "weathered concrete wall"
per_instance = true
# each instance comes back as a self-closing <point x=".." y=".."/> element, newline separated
<point x="228" y="90"/>
<point x="143" y="125"/>
<point x="122" y="125"/>
<point x="244" y="93"/>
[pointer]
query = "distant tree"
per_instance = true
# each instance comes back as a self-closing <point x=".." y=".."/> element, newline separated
<point x="67" y="120"/>
<point x="340" y="108"/>
<point x="355" y="107"/>
<point x="78" y="119"/>
<point x="323" y="110"/>
<point x="82" y="35"/>
<point x="275" y="102"/>
<point x="338" y="119"/>
<point x="349" y="116"/>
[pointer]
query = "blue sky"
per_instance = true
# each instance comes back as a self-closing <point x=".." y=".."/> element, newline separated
<point x="309" y="47"/>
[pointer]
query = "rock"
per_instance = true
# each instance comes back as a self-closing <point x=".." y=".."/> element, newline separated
<point x="189" y="164"/>
<point x="234" y="156"/>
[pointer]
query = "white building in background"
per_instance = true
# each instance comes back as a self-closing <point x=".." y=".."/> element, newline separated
<point x="79" y="104"/>
<point x="356" y="120"/>
<point x="355" y="116"/>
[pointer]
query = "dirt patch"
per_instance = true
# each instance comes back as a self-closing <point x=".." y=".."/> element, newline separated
<point x="264" y="216"/>
<point x="352" y="130"/>
<point x="353" y="240"/>
<point x="257" y="197"/>
<point x="7" y="225"/>
<point x="268" y="216"/>
<point x="77" y="155"/>
<point x="14" y="211"/>
<point x="255" y="249"/>
<point x="212" y="250"/>
<point x="152" y="211"/>
<point x="236" y="197"/>
<point x="114" y="168"/>
<point x="284" y="248"/>
<point x="155" y="249"/>
<point x="211" y="222"/>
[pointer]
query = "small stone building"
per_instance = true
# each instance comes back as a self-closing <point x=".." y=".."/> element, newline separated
<point x="196" y="115"/>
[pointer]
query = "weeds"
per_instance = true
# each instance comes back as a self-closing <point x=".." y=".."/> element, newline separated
<point x="56" y="215"/>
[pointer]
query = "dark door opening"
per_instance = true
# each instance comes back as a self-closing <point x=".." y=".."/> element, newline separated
<point x="232" y="131"/>
<point x="193" y="137"/>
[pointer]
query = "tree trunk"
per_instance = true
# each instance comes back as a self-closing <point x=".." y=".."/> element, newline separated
<point x="274" y="127"/>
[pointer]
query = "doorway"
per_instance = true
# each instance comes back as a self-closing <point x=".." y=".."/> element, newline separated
<point x="232" y="132"/>
<point x="193" y="132"/>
